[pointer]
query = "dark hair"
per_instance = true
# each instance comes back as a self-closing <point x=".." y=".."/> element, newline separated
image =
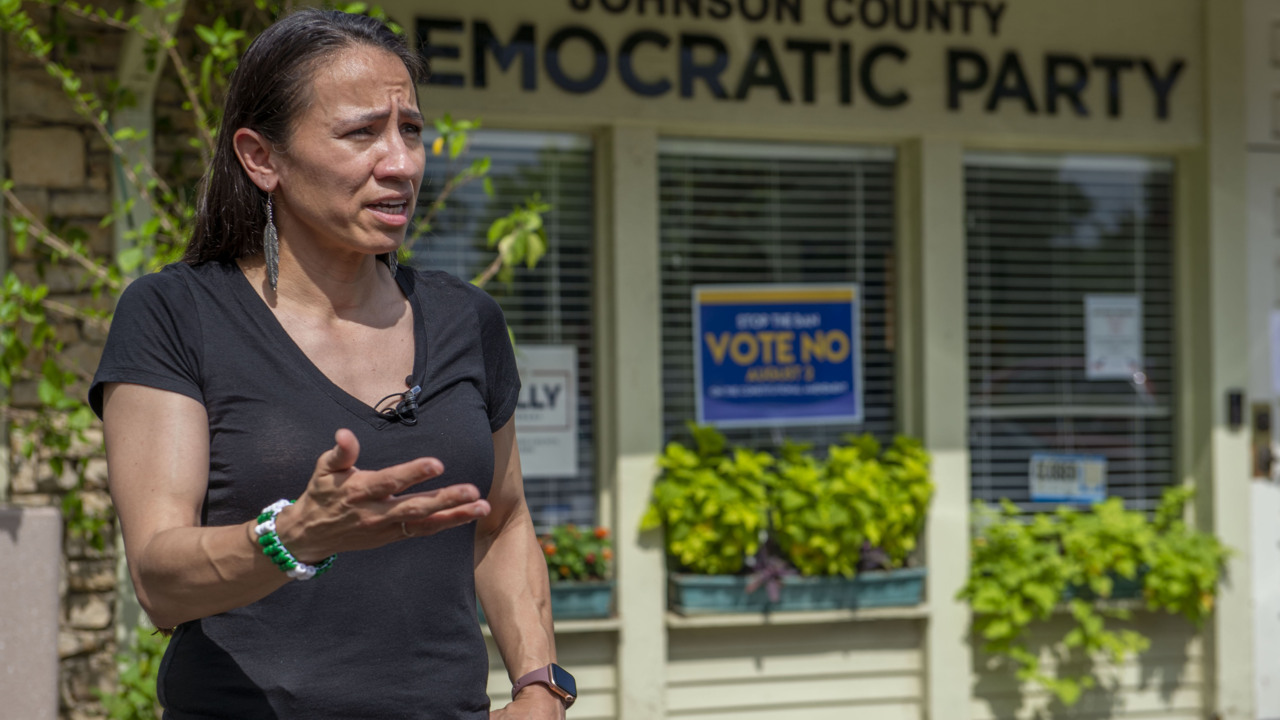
<point x="267" y="92"/>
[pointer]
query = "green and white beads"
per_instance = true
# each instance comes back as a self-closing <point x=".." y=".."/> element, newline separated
<point x="279" y="554"/>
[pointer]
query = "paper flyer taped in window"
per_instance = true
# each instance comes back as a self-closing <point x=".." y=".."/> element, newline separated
<point x="547" y="412"/>
<point x="1113" y="337"/>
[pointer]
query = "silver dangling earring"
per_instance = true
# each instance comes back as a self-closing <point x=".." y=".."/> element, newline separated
<point x="271" y="246"/>
<point x="393" y="263"/>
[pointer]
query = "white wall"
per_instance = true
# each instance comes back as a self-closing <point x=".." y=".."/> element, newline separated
<point x="869" y="671"/>
<point x="1262" y="47"/>
<point x="1165" y="682"/>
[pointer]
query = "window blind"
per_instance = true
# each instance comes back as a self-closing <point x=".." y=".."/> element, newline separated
<point x="776" y="213"/>
<point x="1045" y="233"/>
<point x="549" y="304"/>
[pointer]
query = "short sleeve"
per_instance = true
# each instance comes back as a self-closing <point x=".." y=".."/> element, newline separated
<point x="502" y="377"/>
<point x="154" y="339"/>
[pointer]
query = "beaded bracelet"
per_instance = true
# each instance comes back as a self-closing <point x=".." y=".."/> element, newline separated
<point x="274" y="549"/>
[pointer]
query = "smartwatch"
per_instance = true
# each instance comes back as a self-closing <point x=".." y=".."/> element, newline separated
<point x="557" y="679"/>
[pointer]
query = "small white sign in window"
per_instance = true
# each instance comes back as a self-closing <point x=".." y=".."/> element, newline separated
<point x="547" y="413"/>
<point x="1113" y="337"/>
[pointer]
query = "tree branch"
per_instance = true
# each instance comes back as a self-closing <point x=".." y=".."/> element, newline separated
<point x="87" y="111"/>
<point x="58" y="245"/>
<point x="483" y="278"/>
<point x="167" y="41"/>
<point x="107" y="20"/>
<point x="10" y="413"/>
<point x="193" y="97"/>
<point x="72" y="312"/>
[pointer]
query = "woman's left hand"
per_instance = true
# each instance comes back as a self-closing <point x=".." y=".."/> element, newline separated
<point x="533" y="703"/>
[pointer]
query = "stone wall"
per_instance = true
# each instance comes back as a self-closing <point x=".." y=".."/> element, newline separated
<point x="62" y="172"/>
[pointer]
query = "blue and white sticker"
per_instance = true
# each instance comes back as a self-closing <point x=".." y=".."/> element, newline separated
<point x="1080" y="479"/>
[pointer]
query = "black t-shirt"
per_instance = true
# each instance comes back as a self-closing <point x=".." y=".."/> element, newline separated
<point x="386" y="633"/>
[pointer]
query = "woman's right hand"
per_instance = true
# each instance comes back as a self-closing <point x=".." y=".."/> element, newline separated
<point x="346" y="508"/>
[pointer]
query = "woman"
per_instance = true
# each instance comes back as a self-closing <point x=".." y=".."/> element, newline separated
<point x="289" y="358"/>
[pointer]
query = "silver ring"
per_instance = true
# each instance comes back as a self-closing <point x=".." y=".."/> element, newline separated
<point x="405" y="530"/>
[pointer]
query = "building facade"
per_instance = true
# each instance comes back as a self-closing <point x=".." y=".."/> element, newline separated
<point x="1057" y="219"/>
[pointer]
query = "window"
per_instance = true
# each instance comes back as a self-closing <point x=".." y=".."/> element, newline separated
<point x="1046" y="237"/>
<point x="770" y="213"/>
<point x="550" y="304"/>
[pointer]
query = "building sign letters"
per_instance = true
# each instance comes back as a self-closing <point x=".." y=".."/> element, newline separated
<point x="696" y="62"/>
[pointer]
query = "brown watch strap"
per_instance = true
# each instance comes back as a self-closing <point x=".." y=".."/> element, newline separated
<point x="542" y="676"/>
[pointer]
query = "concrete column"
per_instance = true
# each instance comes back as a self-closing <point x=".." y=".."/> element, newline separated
<point x="934" y="257"/>
<point x="1219" y="173"/>
<point x="30" y="556"/>
<point x="636" y="400"/>
<point x="139" y="73"/>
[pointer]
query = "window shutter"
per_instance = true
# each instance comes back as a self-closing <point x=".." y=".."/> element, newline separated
<point x="1043" y="234"/>
<point x="549" y="304"/>
<point x="776" y="213"/>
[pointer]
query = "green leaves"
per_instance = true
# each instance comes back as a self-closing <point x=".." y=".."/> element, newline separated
<point x="1023" y="569"/>
<point x="223" y="46"/>
<point x="520" y="237"/>
<point x="826" y="511"/>
<point x="139" y="667"/>
<point x="712" y="505"/>
<point x="29" y="352"/>
<point x="130" y="259"/>
<point x="453" y="135"/>
<point x="715" y="503"/>
<point x="21" y="303"/>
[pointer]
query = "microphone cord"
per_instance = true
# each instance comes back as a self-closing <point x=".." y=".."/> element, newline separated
<point x="406" y="410"/>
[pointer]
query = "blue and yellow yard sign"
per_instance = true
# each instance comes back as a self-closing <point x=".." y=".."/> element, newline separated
<point x="777" y="354"/>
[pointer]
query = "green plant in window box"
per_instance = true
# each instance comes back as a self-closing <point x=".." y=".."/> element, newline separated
<point x="1023" y="570"/>
<point x="715" y="503"/>
<point x="575" y="554"/>
<point x="711" y="502"/>
<point x="861" y="508"/>
<point x="579" y="563"/>
<point x="806" y="523"/>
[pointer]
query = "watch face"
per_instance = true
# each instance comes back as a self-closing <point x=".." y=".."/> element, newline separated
<point x="564" y="680"/>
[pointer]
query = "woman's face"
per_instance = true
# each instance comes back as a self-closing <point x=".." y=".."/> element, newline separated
<point x="349" y="176"/>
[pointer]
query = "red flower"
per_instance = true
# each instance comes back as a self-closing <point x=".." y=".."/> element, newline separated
<point x="602" y="533"/>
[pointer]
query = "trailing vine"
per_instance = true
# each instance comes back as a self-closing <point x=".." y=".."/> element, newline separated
<point x="1024" y="570"/>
